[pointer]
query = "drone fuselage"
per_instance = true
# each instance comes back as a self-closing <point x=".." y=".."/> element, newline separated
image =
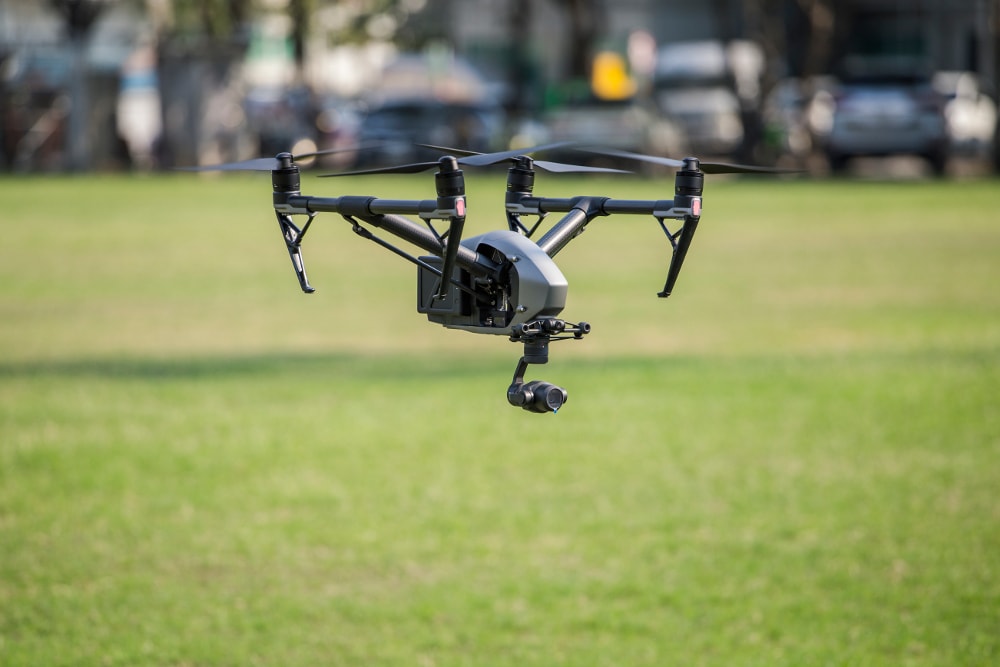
<point x="526" y="286"/>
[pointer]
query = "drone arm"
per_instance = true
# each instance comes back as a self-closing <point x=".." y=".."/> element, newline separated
<point x="684" y="207"/>
<point x="660" y="208"/>
<point x="584" y="209"/>
<point x="359" y="205"/>
<point x="389" y="215"/>
<point x="420" y="236"/>
<point x="581" y="210"/>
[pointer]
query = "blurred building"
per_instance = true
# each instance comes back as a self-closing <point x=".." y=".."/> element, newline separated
<point x="531" y="46"/>
<point x="950" y="34"/>
<point x="527" y="49"/>
<point x="59" y="81"/>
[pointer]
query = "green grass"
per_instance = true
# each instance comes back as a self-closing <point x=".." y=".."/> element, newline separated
<point x="791" y="461"/>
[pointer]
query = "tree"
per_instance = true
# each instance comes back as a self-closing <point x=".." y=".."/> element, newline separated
<point x="198" y="44"/>
<point x="300" y="11"/>
<point x="585" y="26"/>
<point x="80" y="16"/>
<point x="821" y="16"/>
<point x="188" y="19"/>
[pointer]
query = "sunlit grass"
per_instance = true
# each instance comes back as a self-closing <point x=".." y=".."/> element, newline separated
<point x="791" y="461"/>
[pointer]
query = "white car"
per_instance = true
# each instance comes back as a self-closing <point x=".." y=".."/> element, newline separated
<point x="970" y="112"/>
<point x="704" y="87"/>
<point x="625" y="125"/>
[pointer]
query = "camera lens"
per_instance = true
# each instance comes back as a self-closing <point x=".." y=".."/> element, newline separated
<point x="549" y="398"/>
<point x="541" y="397"/>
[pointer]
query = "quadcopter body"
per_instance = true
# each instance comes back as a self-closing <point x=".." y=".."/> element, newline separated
<point x="528" y="286"/>
<point x="503" y="282"/>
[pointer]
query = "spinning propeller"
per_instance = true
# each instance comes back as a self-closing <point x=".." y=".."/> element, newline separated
<point x="474" y="159"/>
<point x="267" y="163"/>
<point x="706" y="167"/>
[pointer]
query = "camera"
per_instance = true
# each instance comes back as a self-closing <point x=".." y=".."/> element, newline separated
<point x="537" y="396"/>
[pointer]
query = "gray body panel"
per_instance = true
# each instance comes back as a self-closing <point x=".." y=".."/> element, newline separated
<point x="537" y="288"/>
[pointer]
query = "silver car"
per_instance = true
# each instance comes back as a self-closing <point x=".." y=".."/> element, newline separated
<point x="881" y="114"/>
<point x="706" y="87"/>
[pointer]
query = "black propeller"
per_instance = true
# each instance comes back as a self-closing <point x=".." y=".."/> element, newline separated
<point x="266" y="163"/>
<point x="474" y="159"/>
<point x="706" y="167"/>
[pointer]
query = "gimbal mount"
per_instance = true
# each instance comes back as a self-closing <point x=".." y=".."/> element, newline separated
<point x="538" y="396"/>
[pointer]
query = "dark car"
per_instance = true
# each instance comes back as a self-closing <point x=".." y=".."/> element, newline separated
<point x="390" y="131"/>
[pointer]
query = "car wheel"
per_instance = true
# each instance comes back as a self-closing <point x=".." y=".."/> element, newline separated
<point x="939" y="163"/>
<point x="838" y="163"/>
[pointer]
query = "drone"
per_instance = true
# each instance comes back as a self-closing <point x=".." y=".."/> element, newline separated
<point x="503" y="282"/>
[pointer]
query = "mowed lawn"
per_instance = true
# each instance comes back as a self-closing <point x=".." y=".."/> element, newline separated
<point x="794" y="460"/>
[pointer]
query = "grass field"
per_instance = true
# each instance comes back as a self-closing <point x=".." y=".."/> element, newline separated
<point x="791" y="461"/>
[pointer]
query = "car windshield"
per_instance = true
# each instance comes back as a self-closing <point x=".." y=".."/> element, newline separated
<point x="887" y="80"/>
<point x="675" y="82"/>
<point x="396" y="118"/>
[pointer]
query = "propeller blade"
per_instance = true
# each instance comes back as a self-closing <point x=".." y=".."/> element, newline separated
<point x="486" y="159"/>
<point x="257" y="164"/>
<point x="267" y="163"/>
<point x="411" y="168"/>
<point x="706" y="167"/>
<point x="724" y="168"/>
<point x="555" y="167"/>
<point x="331" y="151"/>
<point x="449" y="150"/>
<point x="475" y="159"/>
<point x="654" y="159"/>
<point x="560" y="168"/>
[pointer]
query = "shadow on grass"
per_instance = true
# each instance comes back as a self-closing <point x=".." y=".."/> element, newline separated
<point x="186" y="368"/>
<point x="394" y="366"/>
<point x="440" y="365"/>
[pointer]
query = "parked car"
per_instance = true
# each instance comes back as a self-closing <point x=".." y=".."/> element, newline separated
<point x="280" y="116"/>
<point x="886" y="109"/>
<point x="706" y="88"/>
<point x="427" y="99"/>
<point x="627" y="125"/>
<point x="390" y="130"/>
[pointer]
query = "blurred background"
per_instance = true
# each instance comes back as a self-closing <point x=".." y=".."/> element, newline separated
<point x="827" y="86"/>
